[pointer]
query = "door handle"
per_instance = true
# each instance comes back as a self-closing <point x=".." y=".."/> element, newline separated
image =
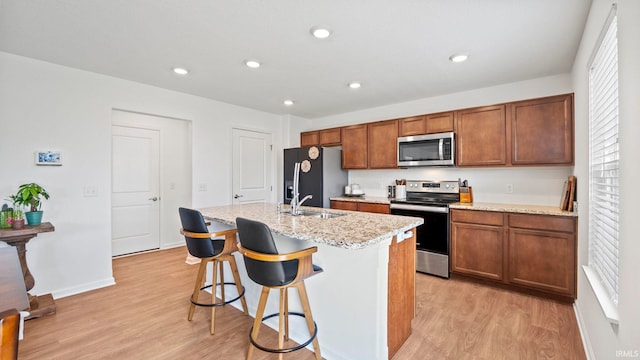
<point x="237" y="196"/>
<point x="155" y="198"/>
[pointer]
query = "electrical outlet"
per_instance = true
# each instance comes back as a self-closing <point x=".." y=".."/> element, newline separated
<point x="202" y="187"/>
<point x="509" y="188"/>
<point x="89" y="191"/>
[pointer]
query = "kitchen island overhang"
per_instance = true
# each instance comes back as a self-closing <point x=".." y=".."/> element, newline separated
<point x="364" y="300"/>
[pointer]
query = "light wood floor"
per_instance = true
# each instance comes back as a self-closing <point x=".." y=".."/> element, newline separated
<point x="144" y="317"/>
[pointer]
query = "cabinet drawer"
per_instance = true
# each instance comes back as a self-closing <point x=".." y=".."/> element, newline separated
<point x="477" y="217"/>
<point x="542" y="222"/>
<point x="344" y="205"/>
<point x="374" y="208"/>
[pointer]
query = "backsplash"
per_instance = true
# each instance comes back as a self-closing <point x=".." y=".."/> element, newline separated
<point x="529" y="185"/>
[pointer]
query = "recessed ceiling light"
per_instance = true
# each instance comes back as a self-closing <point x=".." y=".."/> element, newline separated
<point x="458" y="58"/>
<point x="252" y="64"/>
<point x="180" y="71"/>
<point x="320" y="32"/>
<point x="288" y="102"/>
<point x="355" y="85"/>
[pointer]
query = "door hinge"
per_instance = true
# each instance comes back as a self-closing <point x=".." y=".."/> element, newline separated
<point x="271" y="147"/>
<point x="271" y="187"/>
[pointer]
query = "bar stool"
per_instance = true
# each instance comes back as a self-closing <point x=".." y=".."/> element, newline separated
<point x="272" y="270"/>
<point x="202" y="244"/>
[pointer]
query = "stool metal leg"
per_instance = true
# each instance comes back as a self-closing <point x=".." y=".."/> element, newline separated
<point x="304" y="299"/>
<point x="286" y="313"/>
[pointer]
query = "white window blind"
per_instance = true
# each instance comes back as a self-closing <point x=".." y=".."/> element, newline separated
<point x="604" y="162"/>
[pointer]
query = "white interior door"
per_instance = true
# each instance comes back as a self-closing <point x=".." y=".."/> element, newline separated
<point x="135" y="209"/>
<point x="251" y="166"/>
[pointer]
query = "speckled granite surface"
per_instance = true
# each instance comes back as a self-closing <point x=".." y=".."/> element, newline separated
<point x="354" y="230"/>
<point x="368" y="199"/>
<point x="514" y="208"/>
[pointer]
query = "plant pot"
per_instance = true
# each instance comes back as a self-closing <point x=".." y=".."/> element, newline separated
<point x="34" y="217"/>
<point x="17" y="224"/>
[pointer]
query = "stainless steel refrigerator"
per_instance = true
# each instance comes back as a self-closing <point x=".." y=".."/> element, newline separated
<point x="321" y="174"/>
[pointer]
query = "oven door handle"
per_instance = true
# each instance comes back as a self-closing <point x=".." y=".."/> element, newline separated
<point x="424" y="208"/>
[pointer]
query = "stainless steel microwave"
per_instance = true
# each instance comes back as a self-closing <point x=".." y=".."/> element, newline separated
<point x="427" y="150"/>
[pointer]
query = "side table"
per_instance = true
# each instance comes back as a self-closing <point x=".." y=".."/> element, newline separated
<point x="38" y="305"/>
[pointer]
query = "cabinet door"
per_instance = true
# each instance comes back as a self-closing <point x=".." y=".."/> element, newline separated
<point x="344" y="205"/>
<point x="374" y="208"/>
<point x="329" y="137"/>
<point x="542" y="131"/>
<point x="383" y="144"/>
<point x="481" y="136"/>
<point x="543" y="260"/>
<point x="309" y="138"/>
<point x="354" y="147"/>
<point x="415" y="125"/>
<point x="438" y="123"/>
<point x="477" y="250"/>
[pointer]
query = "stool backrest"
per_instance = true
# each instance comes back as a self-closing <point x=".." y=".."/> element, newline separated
<point x="257" y="237"/>
<point x="193" y="221"/>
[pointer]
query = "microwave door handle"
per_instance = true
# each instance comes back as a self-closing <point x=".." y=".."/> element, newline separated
<point x="441" y="149"/>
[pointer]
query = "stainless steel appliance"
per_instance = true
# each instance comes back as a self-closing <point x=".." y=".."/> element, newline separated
<point x="427" y="150"/>
<point x="320" y="175"/>
<point x="430" y="200"/>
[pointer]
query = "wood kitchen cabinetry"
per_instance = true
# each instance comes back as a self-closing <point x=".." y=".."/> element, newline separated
<point x="481" y="136"/>
<point x="536" y="253"/>
<point x="310" y="138"/>
<point x="383" y="144"/>
<point x="478" y="248"/>
<point x="325" y="137"/>
<point x="354" y="147"/>
<point x="330" y="137"/>
<point x="542" y="131"/>
<point x="426" y="124"/>
<point x="360" y="206"/>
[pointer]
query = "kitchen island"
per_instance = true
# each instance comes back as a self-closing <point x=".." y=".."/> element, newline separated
<point x="364" y="301"/>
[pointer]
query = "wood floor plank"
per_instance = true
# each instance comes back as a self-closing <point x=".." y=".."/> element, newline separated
<point x="144" y="316"/>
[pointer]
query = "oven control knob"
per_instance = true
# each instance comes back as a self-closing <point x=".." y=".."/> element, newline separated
<point x="447" y="186"/>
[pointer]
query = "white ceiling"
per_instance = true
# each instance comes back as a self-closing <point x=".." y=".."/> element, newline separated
<point x="399" y="49"/>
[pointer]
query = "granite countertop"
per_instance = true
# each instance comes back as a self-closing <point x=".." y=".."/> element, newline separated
<point x="368" y="199"/>
<point x="514" y="208"/>
<point x="354" y="230"/>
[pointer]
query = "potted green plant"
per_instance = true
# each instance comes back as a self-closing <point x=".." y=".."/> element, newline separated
<point x="17" y="217"/>
<point x="32" y="196"/>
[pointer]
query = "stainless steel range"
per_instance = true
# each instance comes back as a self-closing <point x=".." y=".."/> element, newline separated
<point x="430" y="200"/>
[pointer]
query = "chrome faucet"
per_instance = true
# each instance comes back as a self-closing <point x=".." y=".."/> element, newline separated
<point x="295" y="203"/>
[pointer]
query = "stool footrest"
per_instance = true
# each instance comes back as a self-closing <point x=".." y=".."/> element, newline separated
<point x="220" y="303"/>
<point x="286" y="350"/>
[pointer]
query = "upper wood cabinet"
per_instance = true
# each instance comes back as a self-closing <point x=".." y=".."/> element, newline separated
<point x="415" y="125"/>
<point x="309" y="138"/>
<point x="438" y="123"/>
<point x="329" y="137"/>
<point x="481" y="136"/>
<point x="426" y="124"/>
<point x="542" y="131"/>
<point x="383" y="144"/>
<point x="354" y="147"/>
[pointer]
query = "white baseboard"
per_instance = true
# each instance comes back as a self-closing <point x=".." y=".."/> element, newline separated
<point x="83" y="288"/>
<point x="586" y="343"/>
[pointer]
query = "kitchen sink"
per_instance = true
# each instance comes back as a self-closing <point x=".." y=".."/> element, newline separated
<point x="316" y="214"/>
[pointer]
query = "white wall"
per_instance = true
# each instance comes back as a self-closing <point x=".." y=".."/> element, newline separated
<point x="46" y="106"/>
<point x="602" y="338"/>
<point x="531" y="185"/>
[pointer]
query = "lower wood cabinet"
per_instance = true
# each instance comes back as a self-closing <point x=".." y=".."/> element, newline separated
<point x="361" y="206"/>
<point x="531" y="252"/>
